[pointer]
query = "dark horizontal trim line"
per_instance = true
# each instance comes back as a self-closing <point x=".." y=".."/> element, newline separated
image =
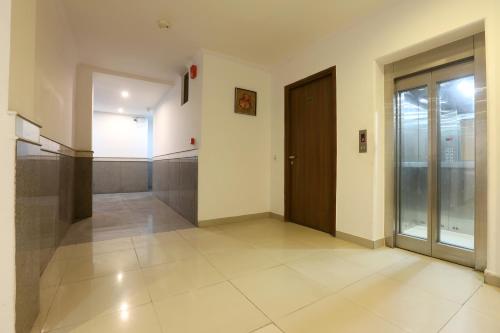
<point x="51" y="151"/>
<point x="28" y="120"/>
<point x="123" y="158"/>
<point x="29" y="141"/>
<point x="178" y="152"/>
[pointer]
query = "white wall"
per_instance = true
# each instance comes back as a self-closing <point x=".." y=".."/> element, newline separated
<point x="234" y="173"/>
<point x="43" y="65"/>
<point x="55" y="70"/>
<point x="359" y="54"/>
<point x="7" y="167"/>
<point x="175" y="124"/>
<point x="116" y="135"/>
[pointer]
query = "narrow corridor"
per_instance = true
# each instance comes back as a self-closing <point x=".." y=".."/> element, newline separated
<point x="125" y="215"/>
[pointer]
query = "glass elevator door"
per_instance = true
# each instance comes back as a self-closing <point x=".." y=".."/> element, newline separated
<point x="435" y="163"/>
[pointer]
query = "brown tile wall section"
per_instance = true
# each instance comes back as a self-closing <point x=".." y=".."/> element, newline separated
<point x="120" y="176"/>
<point x="175" y="182"/>
<point x="83" y="188"/>
<point x="44" y="212"/>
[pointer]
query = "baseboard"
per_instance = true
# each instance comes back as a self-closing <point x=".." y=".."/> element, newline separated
<point x="277" y="216"/>
<point x="491" y="279"/>
<point x="360" y="240"/>
<point x="235" y="219"/>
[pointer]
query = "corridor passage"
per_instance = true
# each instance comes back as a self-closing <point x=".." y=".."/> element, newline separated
<point x="125" y="215"/>
<point x="257" y="276"/>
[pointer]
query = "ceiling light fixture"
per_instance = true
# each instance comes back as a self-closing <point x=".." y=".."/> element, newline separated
<point x="120" y="110"/>
<point x="125" y="94"/>
<point x="466" y="87"/>
<point x="163" y="24"/>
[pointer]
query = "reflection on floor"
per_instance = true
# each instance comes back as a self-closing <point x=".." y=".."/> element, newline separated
<point x="258" y="276"/>
<point x="125" y="215"/>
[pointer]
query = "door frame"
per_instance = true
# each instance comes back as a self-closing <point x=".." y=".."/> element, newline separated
<point x="329" y="72"/>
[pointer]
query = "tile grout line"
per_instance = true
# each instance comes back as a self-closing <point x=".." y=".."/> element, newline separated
<point x="460" y="308"/>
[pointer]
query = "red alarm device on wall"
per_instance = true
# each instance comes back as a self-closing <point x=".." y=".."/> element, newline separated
<point x="193" y="71"/>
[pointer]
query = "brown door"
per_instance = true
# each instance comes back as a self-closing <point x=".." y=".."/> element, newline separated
<point x="310" y="160"/>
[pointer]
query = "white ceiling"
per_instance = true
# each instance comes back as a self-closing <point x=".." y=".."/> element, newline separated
<point x="142" y="94"/>
<point x="122" y="35"/>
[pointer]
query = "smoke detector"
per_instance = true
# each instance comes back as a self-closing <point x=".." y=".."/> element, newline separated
<point x="163" y="24"/>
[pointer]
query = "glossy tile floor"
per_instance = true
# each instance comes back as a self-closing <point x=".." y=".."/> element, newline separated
<point x="261" y="276"/>
<point x="125" y="215"/>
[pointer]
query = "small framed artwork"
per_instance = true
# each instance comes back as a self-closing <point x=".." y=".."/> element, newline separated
<point x="245" y="102"/>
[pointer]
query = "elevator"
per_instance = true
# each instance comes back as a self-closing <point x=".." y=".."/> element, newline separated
<point x="439" y="137"/>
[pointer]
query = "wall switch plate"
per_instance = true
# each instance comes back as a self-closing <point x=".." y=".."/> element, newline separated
<point x="363" y="144"/>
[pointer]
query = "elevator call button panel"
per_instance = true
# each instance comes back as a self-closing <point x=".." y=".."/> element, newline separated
<point x="363" y="148"/>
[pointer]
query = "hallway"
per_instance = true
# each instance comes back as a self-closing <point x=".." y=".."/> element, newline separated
<point x="121" y="215"/>
<point x="254" y="276"/>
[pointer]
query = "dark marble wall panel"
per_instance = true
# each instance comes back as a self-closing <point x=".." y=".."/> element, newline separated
<point x="27" y="235"/>
<point x="44" y="212"/>
<point x="120" y="176"/>
<point x="134" y="177"/>
<point x="48" y="205"/>
<point x="83" y="187"/>
<point x="106" y="177"/>
<point x="66" y="195"/>
<point x="175" y="182"/>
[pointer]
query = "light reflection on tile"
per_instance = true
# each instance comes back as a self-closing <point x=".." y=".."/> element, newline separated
<point x="284" y="278"/>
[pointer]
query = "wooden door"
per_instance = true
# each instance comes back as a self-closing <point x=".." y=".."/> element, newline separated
<point x="310" y="152"/>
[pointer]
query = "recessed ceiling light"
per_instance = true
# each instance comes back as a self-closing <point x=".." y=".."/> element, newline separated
<point x="125" y="94"/>
<point x="120" y="110"/>
<point x="163" y="24"/>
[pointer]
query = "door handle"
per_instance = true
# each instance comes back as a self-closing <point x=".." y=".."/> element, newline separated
<point x="291" y="157"/>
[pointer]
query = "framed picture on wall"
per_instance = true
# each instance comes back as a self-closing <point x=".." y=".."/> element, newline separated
<point x="245" y="101"/>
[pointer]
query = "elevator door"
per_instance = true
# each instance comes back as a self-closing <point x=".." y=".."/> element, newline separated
<point x="435" y="168"/>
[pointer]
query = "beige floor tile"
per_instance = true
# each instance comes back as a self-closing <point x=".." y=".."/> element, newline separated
<point x="141" y="319"/>
<point x="486" y="300"/>
<point x="406" y="306"/>
<point x="469" y="321"/>
<point x="217" y="243"/>
<point x="100" y="265"/>
<point x="241" y="261"/>
<point x="88" y="250"/>
<point x="163" y="253"/>
<point x="335" y="314"/>
<point x="268" y="329"/>
<point x="78" y="302"/>
<point x="453" y="282"/>
<point x="286" y="250"/>
<point x="180" y="276"/>
<point x="161" y="238"/>
<point x="199" y="233"/>
<point x="330" y="270"/>
<point x="280" y="290"/>
<point x="375" y="259"/>
<point x="215" y="309"/>
<point x="53" y="274"/>
<point x="254" y="231"/>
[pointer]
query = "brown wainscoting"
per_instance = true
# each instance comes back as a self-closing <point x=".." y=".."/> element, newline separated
<point x="44" y="212"/>
<point x="83" y="187"/>
<point x="120" y="176"/>
<point x="175" y="182"/>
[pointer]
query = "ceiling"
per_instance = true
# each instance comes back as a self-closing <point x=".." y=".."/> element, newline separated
<point x="123" y="35"/>
<point x="142" y="94"/>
